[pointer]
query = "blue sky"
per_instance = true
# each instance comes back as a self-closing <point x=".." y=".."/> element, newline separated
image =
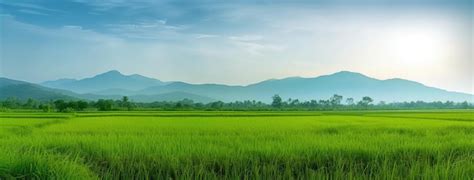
<point x="239" y="42"/>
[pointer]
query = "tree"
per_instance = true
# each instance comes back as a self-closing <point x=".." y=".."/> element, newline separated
<point x="81" y="105"/>
<point x="126" y="103"/>
<point x="294" y="102"/>
<point x="187" y="103"/>
<point x="350" y="101"/>
<point x="324" y="103"/>
<point x="382" y="103"/>
<point x="104" y="105"/>
<point x="277" y="102"/>
<point x="178" y="105"/>
<point x="464" y="105"/>
<point x="217" y="105"/>
<point x="313" y="103"/>
<point x="60" y="105"/>
<point x="335" y="100"/>
<point x="11" y="103"/>
<point x="31" y="103"/>
<point x="365" y="102"/>
<point x="72" y="105"/>
<point x="45" y="107"/>
<point x="125" y="99"/>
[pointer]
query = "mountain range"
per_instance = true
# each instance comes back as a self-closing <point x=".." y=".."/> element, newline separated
<point x="113" y="80"/>
<point x="114" y="85"/>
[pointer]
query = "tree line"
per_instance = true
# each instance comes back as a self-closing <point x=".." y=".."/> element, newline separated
<point x="335" y="102"/>
<point x="68" y="106"/>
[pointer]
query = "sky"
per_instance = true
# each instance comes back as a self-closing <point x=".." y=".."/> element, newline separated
<point x="239" y="42"/>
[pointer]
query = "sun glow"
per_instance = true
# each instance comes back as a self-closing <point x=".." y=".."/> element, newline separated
<point x="416" y="46"/>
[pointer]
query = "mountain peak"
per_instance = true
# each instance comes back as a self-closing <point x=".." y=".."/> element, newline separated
<point x="347" y="73"/>
<point x="110" y="80"/>
<point x="111" y="73"/>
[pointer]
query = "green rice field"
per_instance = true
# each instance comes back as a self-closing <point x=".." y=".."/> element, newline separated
<point x="238" y="145"/>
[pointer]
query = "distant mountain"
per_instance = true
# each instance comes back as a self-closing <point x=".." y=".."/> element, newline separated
<point x="172" y="96"/>
<point x="215" y="91"/>
<point x="108" y="81"/>
<point x="348" y="84"/>
<point x="114" y="91"/>
<point x="114" y="85"/>
<point x="58" y="83"/>
<point x="24" y="90"/>
<point x="355" y="85"/>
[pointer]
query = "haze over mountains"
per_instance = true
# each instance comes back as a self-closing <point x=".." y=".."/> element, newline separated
<point x="114" y="84"/>
<point x="113" y="80"/>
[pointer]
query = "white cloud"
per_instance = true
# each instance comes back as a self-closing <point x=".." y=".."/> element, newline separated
<point x="152" y="30"/>
<point x="72" y="27"/>
<point x="31" y="6"/>
<point x="255" y="44"/>
<point x="162" y="21"/>
<point x="256" y="48"/>
<point x="246" y="38"/>
<point x="27" y="11"/>
<point x="72" y="32"/>
<point x="203" y="36"/>
<point x="105" y="5"/>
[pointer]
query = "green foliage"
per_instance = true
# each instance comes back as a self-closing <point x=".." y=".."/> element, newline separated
<point x="334" y="102"/>
<point x="238" y="145"/>
<point x="11" y="103"/>
<point x="350" y="101"/>
<point x="104" y="105"/>
<point x="60" y="105"/>
<point x="217" y="105"/>
<point x="31" y="104"/>
<point x="125" y="103"/>
<point x="46" y="107"/>
<point x="81" y="105"/>
<point x="365" y="102"/>
<point x="277" y="101"/>
<point x="71" y="106"/>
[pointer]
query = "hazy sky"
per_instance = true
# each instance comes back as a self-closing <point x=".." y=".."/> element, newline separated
<point x="239" y="42"/>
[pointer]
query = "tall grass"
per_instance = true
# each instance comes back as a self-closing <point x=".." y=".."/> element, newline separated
<point x="224" y="145"/>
